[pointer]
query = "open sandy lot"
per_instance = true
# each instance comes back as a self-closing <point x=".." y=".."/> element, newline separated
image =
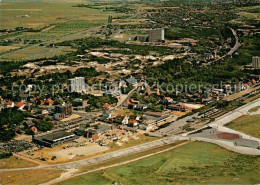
<point x="70" y="153"/>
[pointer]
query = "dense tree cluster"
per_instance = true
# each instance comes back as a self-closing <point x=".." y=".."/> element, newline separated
<point x="43" y="125"/>
<point x="10" y="119"/>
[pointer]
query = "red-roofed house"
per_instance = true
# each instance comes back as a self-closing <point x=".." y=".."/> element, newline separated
<point x="48" y="102"/>
<point x="106" y="106"/>
<point x="9" y="104"/>
<point x="20" y="105"/>
<point x="95" y="137"/>
<point x="34" y="129"/>
<point x="148" y="93"/>
<point x="133" y="122"/>
<point x="168" y="99"/>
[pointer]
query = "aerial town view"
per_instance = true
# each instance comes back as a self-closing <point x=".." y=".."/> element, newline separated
<point x="129" y="92"/>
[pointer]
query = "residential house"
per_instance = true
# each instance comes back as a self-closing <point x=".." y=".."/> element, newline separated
<point x="106" y="106"/>
<point x="9" y="104"/>
<point x="48" y="102"/>
<point x="19" y="106"/>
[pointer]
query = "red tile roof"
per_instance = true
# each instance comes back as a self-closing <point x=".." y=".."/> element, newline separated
<point x="106" y="105"/>
<point x="149" y="92"/>
<point x="127" y="102"/>
<point x="20" y="104"/>
<point x="49" y="100"/>
<point x="9" y="103"/>
<point x="132" y="121"/>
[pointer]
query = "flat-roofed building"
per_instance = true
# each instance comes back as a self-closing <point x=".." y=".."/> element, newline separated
<point x="55" y="138"/>
<point x="77" y="84"/>
<point x="156" y="35"/>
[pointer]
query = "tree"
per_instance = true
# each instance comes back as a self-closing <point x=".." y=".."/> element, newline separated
<point x="9" y="120"/>
<point x="44" y="125"/>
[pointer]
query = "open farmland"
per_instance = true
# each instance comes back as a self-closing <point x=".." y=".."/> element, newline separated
<point x="33" y="23"/>
<point x="196" y="162"/>
<point x="43" y="13"/>
<point x="39" y="52"/>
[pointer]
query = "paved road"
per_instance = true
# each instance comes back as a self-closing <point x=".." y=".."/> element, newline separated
<point x="237" y="45"/>
<point x="234" y="49"/>
<point x="122" y="101"/>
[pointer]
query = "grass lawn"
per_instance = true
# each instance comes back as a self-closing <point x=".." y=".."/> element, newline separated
<point x="248" y="124"/>
<point x="15" y="162"/>
<point x="195" y="162"/>
<point x="29" y="176"/>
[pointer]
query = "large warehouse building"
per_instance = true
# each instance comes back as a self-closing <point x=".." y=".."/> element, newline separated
<point x="55" y="138"/>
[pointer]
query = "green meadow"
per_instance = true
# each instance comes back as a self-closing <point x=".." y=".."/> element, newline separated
<point x="195" y="162"/>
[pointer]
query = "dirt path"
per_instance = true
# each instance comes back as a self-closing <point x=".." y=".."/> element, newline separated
<point x="69" y="174"/>
<point x="65" y="175"/>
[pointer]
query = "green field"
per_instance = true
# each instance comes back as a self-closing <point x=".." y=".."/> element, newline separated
<point x="248" y="124"/>
<point x="50" y="21"/>
<point x="196" y="162"/>
<point x="43" y="13"/>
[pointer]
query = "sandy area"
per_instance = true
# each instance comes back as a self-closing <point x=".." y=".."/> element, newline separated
<point x="73" y="116"/>
<point x="72" y="152"/>
<point x="193" y="106"/>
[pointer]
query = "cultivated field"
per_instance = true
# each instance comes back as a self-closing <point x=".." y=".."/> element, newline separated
<point x="196" y="162"/>
<point x="248" y="124"/>
<point x="35" y="14"/>
<point x="51" y="21"/>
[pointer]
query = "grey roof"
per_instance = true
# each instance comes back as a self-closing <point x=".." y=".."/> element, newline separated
<point x="103" y="128"/>
<point x="131" y="80"/>
<point x="55" y="136"/>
